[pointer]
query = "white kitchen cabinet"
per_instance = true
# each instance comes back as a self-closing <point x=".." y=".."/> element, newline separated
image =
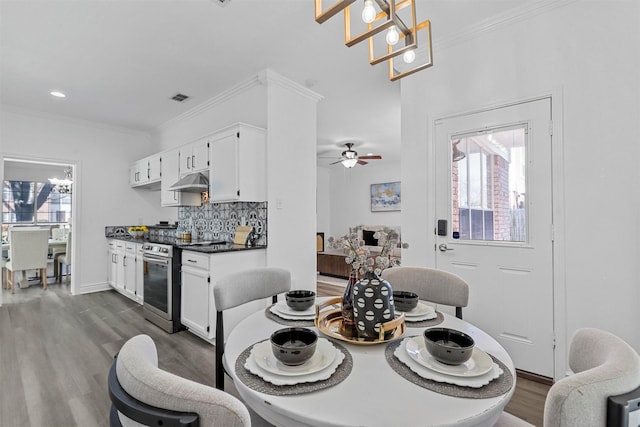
<point x="120" y="264"/>
<point x="146" y="172"/>
<point x="112" y="263"/>
<point x="222" y="264"/>
<point x="238" y="165"/>
<point x="194" y="157"/>
<point x="194" y="309"/>
<point x="125" y="269"/>
<point x="129" y="266"/>
<point x="170" y="175"/>
<point x="139" y="274"/>
<point x="199" y="274"/>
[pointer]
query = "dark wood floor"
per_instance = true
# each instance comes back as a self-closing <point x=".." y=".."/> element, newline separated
<point x="55" y="352"/>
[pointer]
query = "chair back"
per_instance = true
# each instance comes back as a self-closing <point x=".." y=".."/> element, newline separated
<point x="149" y="394"/>
<point x="604" y="365"/>
<point x="240" y="288"/>
<point x="437" y="286"/>
<point x="68" y="248"/>
<point x="29" y="248"/>
<point x="250" y="285"/>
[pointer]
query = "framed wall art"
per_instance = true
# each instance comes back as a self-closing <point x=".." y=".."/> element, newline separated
<point x="385" y="197"/>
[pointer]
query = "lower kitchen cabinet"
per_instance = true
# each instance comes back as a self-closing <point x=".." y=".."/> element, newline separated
<point x="196" y="281"/>
<point x="200" y="272"/>
<point x="124" y="273"/>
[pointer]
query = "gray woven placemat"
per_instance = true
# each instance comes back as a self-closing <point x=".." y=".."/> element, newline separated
<point x="495" y="388"/>
<point x="287" y="322"/>
<point x="256" y="383"/>
<point x="425" y="323"/>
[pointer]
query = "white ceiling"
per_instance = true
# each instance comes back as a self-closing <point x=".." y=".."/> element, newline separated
<point x="119" y="61"/>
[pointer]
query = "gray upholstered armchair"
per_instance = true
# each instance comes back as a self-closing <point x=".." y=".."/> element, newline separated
<point x="143" y="394"/>
<point x="604" y="366"/>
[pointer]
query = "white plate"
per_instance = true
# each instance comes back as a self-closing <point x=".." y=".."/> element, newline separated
<point x="276" y="379"/>
<point x="273" y="310"/>
<point x="429" y="316"/>
<point x="473" y="382"/>
<point x="480" y="362"/>
<point x="322" y="358"/>
<point x="421" y="310"/>
<point x="282" y="307"/>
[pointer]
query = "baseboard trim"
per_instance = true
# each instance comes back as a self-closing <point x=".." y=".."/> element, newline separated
<point x="534" y="377"/>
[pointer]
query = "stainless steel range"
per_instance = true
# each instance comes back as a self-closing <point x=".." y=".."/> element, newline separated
<point x="161" y="285"/>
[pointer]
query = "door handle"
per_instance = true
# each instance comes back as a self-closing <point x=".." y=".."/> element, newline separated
<point x="443" y="247"/>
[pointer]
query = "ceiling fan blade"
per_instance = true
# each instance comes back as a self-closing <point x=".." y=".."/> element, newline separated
<point x="371" y="157"/>
<point x="335" y="162"/>
<point x="362" y="162"/>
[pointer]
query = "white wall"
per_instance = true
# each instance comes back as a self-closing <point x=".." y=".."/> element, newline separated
<point x="323" y="201"/>
<point x="291" y="180"/>
<point x="288" y="112"/>
<point x="101" y="187"/>
<point x="587" y="53"/>
<point x="350" y="201"/>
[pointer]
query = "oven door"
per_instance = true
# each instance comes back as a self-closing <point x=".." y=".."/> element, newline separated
<point x="157" y="285"/>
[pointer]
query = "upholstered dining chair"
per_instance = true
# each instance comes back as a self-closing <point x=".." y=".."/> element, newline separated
<point x="604" y="365"/>
<point x="437" y="286"/>
<point x="28" y="250"/>
<point x="64" y="260"/>
<point x="143" y="394"/>
<point x="240" y="288"/>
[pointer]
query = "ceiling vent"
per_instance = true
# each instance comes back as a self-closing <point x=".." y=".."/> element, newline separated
<point x="180" y="97"/>
<point x="221" y="2"/>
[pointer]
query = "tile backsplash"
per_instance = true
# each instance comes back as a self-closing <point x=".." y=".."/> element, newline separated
<point x="218" y="221"/>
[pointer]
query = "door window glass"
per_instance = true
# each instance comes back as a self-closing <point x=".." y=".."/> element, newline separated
<point x="488" y="176"/>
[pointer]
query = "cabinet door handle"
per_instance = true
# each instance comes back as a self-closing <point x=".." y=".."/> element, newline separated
<point x="192" y="260"/>
<point x="193" y="161"/>
<point x="188" y="162"/>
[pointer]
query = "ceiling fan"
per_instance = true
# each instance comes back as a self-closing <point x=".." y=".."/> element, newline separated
<point x="350" y="158"/>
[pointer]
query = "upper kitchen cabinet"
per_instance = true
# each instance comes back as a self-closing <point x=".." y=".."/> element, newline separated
<point x="170" y="175"/>
<point x="194" y="157"/>
<point x="238" y="165"/>
<point x="146" y="172"/>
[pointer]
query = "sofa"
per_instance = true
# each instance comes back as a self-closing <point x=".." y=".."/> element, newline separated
<point x="367" y="232"/>
<point x="331" y="262"/>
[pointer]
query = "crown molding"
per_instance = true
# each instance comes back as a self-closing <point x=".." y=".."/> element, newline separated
<point x="212" y="102"/>
<point x="72" y="120"/>
<point x="268" y="77"/>
<point x="505" y="19"/>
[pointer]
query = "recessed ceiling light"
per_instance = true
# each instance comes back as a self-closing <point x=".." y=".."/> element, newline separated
<point x="58" y="94"/>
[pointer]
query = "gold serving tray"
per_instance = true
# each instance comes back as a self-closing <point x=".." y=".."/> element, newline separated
<point x="330" y="323"/>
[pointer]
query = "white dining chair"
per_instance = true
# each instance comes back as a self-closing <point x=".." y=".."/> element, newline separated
<point x="143" y="394"/>
<point x="240" y="288"/>
<point x="28" y="250"/>
<point x="433" y="285"/>
<point x="604" y="365"/>
<point x="64" y="260"/>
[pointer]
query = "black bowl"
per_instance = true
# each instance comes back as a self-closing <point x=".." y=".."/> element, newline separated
<point x="300" y="300"/>
<point x="448" y="345"/>
<point x="405" y="300"/>
<point x="293" y="346"/>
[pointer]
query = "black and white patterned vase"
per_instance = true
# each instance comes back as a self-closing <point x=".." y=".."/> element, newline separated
<point x="372" y="305"/>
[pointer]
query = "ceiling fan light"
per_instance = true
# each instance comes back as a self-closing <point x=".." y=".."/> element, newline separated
<point x="349" y="163"/>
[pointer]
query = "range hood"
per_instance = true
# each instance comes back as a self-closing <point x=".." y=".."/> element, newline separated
<point x="194" y="183"/>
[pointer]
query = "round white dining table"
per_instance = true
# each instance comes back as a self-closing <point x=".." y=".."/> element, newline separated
<point x="373" y="394"/>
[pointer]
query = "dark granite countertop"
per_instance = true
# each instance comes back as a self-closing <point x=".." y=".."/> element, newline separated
<point x="208" y="247"/>
<point x="216" y="248"/>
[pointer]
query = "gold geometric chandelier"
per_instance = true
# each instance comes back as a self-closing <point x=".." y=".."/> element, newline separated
<point x="397" y="19"/>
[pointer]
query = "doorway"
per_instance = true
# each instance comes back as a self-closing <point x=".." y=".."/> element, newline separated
<point x="494" y="194"/>
<point x="40" y="192"/>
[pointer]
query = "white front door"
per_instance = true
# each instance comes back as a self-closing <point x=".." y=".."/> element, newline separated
<point x="495" y="228"/>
